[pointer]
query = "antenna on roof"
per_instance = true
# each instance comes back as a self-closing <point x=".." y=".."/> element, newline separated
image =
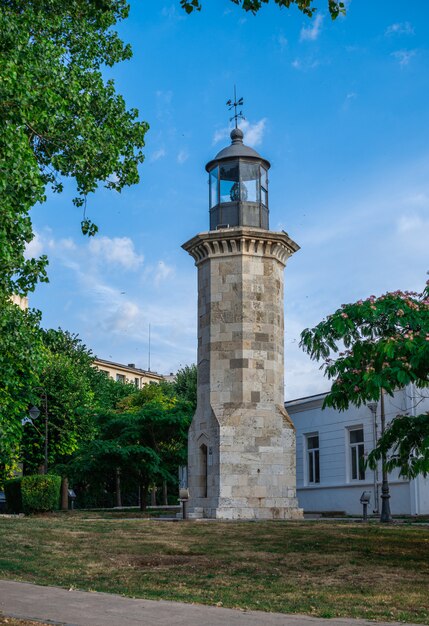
<point x="148" y="366"/>
<point x="233" y="105"/>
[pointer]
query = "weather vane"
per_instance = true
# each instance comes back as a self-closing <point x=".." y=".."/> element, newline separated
<point x="233" y="105"/>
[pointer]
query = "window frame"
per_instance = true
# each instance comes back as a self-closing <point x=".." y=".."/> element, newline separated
<point x="356" y="455"/>
<point x="312" y="460"/>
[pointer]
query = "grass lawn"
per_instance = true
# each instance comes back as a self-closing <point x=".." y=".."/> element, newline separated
<point x="320" y="568"/>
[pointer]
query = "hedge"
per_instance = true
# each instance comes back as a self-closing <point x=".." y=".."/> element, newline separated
<point x="40" y="493"/>
<point x="12" y="491"/>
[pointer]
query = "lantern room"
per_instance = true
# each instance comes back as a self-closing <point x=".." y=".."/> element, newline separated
<point x="238" y="186"/>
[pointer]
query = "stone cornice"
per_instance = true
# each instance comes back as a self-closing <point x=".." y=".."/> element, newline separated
<point x="244" y="240"/>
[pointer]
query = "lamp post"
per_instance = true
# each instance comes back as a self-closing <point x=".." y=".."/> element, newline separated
<point x="34" y="414"/>
<point x="386" y="515"/>
<point x="373" y="408"/>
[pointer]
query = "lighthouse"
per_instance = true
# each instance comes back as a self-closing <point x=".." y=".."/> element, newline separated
<point x="241" y="454"/>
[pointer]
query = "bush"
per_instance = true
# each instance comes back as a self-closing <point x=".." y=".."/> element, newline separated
<point x="12" y="490"/>
<point x="40" y="493"/>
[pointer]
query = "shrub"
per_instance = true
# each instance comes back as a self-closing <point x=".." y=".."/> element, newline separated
<point x="40" y="492"/>
<point x="12" y="490"/>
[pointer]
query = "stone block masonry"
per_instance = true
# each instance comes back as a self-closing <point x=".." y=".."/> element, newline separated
<point x="241" y="462"/>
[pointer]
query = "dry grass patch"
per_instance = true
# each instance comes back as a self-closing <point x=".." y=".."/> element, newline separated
<point x="12" y="621"/>
<point x="320" y="568"/>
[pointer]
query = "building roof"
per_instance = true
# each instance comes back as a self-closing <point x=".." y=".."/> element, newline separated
<point x="130" y="368"/>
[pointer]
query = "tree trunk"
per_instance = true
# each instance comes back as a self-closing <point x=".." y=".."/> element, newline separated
<point x="65" y="494"/>
<point x="118" y="496"/>
<point x="164" y="493"/>
<point x="153" y="496"/>
<point x="143" y="496"/>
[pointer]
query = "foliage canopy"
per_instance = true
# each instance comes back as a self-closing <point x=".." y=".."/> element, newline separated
<point x="386" y="346"/>
<point x="335" y="7"/>
<point x="59" y="117"/>
<point x="145" y="445"/>
<point x="379" y="344"/>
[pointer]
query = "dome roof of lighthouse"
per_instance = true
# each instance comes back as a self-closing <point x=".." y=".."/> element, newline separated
<point x="236" y="150"/>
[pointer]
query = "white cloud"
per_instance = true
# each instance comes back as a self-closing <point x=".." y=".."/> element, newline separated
<point x="282" y="41"/>
<point x="182" y="156"/>
<point x="123" y="318"/>
<point x="171" y="13"/>
<point x="412" y="230"/>
<point x="116" y="251"/>
<point x="67" y="244"/>
<point x="312" y="32"/>
<point x="253" y="133"/>
<point x="34" y="248"/>
<point x="305" y="64"/>
<point x="162" y="272"/>
<point x="164" y="97"/>
<point x="163" y="106"/>
<point x="400" y="28"/>
<point x="220" y="134"/>
<point x="158" y="154"/>
<point x="350" y="97"/>
<point x="404" y="56"/>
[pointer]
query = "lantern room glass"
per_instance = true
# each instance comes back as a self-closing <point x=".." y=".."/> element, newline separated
<point x="249" y="182"/>
<point x="238" y="181"/>
<point x="214" y="188"/>
<point x="229" y="182"/>
<point x="264" y="186"/>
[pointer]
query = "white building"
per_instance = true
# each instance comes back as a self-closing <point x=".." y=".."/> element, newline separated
<point x="127" y="373"/>
<point x="331" y="447"/>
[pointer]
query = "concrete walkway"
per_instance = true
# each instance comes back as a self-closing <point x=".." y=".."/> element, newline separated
<point x="81" y="608"/>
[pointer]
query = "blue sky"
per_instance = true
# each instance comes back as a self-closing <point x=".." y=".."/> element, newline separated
<point x="340" y="109"/>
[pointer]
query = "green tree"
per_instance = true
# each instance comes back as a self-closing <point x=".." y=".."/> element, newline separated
<point x="335" y="7"/>
<point x="65" y="378"/>
<point x="21" y="358"/>
<point x="379" y="344"/>
<point x="405" y="445"/>
<point x="145" y="446"/>
<point x="59" y="118"/>
<point x="161" y="394"/>
<point x="75" y="392"/>
<point x="185" y="385"/>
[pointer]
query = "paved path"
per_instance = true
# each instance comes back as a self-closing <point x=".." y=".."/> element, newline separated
<point x="82" y="608"/>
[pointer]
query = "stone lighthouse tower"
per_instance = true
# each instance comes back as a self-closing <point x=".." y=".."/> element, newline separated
<point x="241" y="462"/>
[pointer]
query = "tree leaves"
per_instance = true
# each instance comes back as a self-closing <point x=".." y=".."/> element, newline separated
<point x="21" y="358"/>
<point x="335" y="7"/>
<point x="59" y="117"/>
<point x="377" y="343"/>
<point x="146" y="445"/>
<point x="406" y="442"/>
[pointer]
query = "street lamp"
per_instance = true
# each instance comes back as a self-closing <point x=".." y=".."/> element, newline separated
<point x="34" y="413"/>
<point x="373" y="408"/>
<point x="385" y="515"/>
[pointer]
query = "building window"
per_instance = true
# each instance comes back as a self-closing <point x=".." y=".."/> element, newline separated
<point x="313" y="459"/>
<point x="137" y="382"/>
<point x="357" y="454"/>
<point x="120" y="378"/>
